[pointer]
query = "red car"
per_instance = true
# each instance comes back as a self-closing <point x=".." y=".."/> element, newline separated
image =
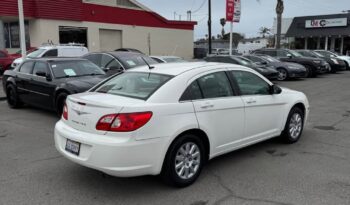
<point x="6" y="59"/>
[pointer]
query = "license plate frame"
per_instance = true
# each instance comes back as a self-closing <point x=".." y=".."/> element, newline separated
<point x="73" y="147"/>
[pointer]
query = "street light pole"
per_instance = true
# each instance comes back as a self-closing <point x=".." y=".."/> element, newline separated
<point x="22" y="29"/>
<point x="209" y="26"/>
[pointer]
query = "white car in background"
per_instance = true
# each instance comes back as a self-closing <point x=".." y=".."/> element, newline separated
<point x="331" y="54"/>
<point x="54" y="51"/>
<point x="171" y="119"/>
<point x="168" y="59"/>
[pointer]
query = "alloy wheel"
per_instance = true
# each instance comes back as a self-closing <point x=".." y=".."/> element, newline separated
<point x="295" y="125"/>
<point x="282" y="74"/>
<point x="187" y="160"/>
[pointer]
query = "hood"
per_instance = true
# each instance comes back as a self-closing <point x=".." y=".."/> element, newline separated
<point x="82" y="84"/>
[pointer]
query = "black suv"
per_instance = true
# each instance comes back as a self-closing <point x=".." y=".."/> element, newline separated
<point x="314" y="66"/>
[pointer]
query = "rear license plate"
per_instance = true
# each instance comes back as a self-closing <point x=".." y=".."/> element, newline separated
<point x="73" y="147"/>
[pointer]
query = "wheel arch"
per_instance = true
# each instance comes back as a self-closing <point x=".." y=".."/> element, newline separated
<point x="299" y="105"/>
<point x="57" y="93"/>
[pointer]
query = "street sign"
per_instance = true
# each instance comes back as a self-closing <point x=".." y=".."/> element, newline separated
<point x="230" y="10"/>
<point x="237" y="11"/>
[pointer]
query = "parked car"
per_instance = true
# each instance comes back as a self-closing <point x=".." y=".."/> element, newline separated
<point x="314" y="66"/>
<point x="336" y="64"/>
<point x="129" y="50"/>
<point x="268" y="72"/>
<point x="172" y="119"/>
<point x="168" y="59"/>
<point x="46" y="82"/>
<point x="330" y="54"/>
<point x="54" y="51"/>
<point x="116" y="61"/>
<point x="286" y="70"/>
<point x="6" y="60"/>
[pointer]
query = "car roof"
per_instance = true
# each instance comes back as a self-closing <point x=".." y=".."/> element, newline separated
<point x="118" y="53"/>
<point x="165" y="57"/>
<point x="175" y="69"/>
<point x="56" y="59"/>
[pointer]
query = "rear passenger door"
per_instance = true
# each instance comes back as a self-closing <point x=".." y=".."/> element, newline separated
<point x="219" y="111"/>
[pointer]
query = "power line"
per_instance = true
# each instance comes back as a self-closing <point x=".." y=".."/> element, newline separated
<point x="201" y="6"/>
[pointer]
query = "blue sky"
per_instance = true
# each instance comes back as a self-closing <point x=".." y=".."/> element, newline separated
<point x="254" y="14"/>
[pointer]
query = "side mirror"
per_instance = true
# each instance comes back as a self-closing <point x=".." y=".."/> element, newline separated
<point x="106" y="69"/>
<point x="263" y="63"/>
<point x="116" y="68"/>
<point x="289" y="55"/>
<point x="275" y="90"/>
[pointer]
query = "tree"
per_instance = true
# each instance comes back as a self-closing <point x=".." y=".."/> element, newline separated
<point x="236" y="37"/>
<point x="279" y="12"/>
<point x="264" y="31"/>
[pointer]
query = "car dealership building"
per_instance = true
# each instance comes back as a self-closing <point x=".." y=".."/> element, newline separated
<point x="329" y="32"/>
<point x="101" y="25"/>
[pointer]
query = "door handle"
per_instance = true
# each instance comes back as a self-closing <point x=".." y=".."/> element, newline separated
<point x="251" y="101"/>
<point x="207" y="105"/>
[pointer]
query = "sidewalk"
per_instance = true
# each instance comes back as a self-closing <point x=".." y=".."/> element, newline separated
<point x="2" y="94"/>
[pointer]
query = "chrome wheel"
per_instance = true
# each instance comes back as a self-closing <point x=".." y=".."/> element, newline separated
<point x="282" y="74"/>
<point x="295" y="125"/>
<point x="187" y="160"/>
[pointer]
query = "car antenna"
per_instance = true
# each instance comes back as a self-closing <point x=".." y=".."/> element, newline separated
<point x="149" y="66"/>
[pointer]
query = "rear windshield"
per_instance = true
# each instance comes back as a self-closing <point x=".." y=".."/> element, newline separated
<point x="134" y="84"/>
<point x="68" y="69"/>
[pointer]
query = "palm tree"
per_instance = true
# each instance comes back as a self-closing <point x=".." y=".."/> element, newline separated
<point x="264" y="31"/>
<point x="279" y="12"/>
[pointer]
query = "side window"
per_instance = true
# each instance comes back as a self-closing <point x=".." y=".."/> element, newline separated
<point x="282" y="53"/>
<point x="192" y="92"/>
<point x="51" y="53"/>
<point x="39" y="67"/>
<point x="271" y="53"/>
<point x="94" y="58"/>
<point x="251" y="84"/>
<point x="27" y="67"/>
<point x="255" y="59"/>
<point x="114" y="64"/>
<point x="215" y="85"/>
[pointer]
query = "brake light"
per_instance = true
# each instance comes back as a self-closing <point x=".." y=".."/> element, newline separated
<point x="124" y="122"/>
<point x="65" y="112"/>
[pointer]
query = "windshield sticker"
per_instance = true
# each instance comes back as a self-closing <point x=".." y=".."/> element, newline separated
<point x="131" y="63"/>
<point x="69" y="72"/>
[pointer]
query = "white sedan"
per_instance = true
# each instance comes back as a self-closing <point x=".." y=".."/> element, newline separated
<point x="172" y="118"/>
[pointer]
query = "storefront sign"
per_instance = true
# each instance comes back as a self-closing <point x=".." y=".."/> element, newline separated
<point x="324" y="23"/>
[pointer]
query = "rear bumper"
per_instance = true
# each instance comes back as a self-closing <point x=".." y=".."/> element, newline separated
<point x="116" y="156"/>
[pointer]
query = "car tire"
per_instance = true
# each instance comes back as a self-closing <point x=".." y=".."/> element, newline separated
<point x="60" y="101"/>
<point x="184" y="161"/>
<point x="12" y="97"/>
<point x="311" y="73"/>
<point x="294" y="126"/>
<point x="282" y="74"/>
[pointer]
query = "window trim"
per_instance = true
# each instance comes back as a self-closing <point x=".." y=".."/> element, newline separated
<point x="195" y="78"/>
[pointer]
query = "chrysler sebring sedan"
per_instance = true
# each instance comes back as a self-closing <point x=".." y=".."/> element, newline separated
<point x="170" y="119"/>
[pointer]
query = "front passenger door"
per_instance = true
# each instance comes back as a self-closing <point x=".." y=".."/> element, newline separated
<point x="263" y="111"/>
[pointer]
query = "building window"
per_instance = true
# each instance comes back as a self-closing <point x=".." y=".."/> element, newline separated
<point x="11" y="32"/>
<point x="73" y="35"/>
<point x="127" y="3"/>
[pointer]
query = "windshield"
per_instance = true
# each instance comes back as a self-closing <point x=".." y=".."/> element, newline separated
<point x="328" y="54"/>
<point x="66" y="69"/>
<point x="134" y="84"/>
<point x="270" y="59"/>
<point x="244" y="61"/>
<point x="174" y="60"/>
<point x="132" y="61"/>
<point x="36" y="53"/>
<point x="295" y="54"/>
<point x="318" y="54"/>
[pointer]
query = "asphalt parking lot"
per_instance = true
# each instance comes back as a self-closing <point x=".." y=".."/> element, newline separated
<point x="316" y="170"/>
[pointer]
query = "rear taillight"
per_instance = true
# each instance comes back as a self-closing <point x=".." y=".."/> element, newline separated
<point x="124" y="122"/>
<point x="65" y="112"/>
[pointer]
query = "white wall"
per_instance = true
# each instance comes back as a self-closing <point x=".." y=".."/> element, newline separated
<point x="163" y="41"/>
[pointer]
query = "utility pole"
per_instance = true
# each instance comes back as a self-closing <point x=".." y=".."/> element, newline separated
<point x="209" y="26"/>
<point x="22" y="29"/>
